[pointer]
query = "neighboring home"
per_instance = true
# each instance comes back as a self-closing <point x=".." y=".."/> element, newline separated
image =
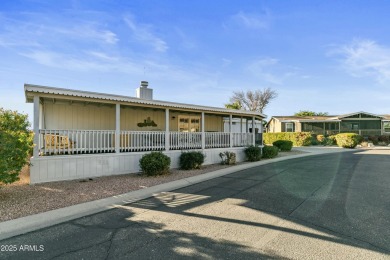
<point x="362" y="123"/>
<point x="80" y="134"/>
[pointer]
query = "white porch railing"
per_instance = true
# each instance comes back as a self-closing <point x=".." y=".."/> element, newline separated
<point x="242" y="139"/>
<point x="76" y="141"/>
<point x="103" y="141"/>
<point x="217" y="139"/>
<point x="133" y="141"/>
<point x="185" y="140"/>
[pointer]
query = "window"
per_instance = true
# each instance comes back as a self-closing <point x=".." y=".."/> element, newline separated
<point x="386" y="127"/>
<point x="289" y="127"/>
<point x="189" y="124"/>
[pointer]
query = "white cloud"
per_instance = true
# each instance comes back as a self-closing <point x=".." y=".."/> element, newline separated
<point x="143" y="33"/>
<point x="252" y="21"/>
<point x="365" y="58"/>
<point x="98" y="62"/>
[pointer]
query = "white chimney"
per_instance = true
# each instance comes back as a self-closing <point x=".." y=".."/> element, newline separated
<point x="143" y="91"/>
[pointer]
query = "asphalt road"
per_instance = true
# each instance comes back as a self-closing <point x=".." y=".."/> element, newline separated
<point x="318" y="207"/>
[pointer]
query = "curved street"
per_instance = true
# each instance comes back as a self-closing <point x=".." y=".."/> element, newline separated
<point x="317" y="207"/>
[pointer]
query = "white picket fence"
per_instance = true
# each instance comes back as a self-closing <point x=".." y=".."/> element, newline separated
<point x="103" y="141"/>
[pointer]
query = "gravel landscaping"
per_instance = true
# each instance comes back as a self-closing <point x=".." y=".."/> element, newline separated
<point x="20" y="199"/>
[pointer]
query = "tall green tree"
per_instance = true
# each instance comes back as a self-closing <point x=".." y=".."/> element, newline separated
<point x="16" y="142"/>
<point x="254" y="100"/>
<point x="310" y="113"/>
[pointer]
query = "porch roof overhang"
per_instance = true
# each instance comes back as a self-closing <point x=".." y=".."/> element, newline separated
<point x="70" y="94"/>
<point x="319" y="121"/>
<point x="356" y="113"/>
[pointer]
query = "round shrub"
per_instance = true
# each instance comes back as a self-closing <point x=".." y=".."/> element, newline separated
<point x="155" y="163"/>
<point x="270" y="151"/>
<point x="348" y="140"/>
<point x="330" y="140"/>
<point x="253" y="153"/>
<point x="320" y="138"/>
<point x="191" y="160"/>
<point x="283" y="145"/>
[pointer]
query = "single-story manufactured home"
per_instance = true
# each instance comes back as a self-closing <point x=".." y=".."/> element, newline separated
<point x="80" y="134"/>
<point x="362" y="123"/>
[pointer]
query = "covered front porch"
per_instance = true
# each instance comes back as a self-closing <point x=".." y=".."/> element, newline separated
<point x="72" y="128"/>
<point x="80" y="134"/>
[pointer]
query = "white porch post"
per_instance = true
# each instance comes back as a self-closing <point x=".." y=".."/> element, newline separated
<point x="241" y="138"/>
<point x="253" y="131"/>
<point x="203" y="133"/>
<point x="117" y="127"/>
<point x="247" y="125"/>
<point x="36" y="127"/>
<point x="230" y="130"/>
<point x="167" y="143"/>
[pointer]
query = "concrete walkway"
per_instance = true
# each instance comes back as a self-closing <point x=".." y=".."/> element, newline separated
<point x="34" y="222"/>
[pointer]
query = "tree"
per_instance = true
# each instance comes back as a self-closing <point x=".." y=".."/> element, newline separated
<point x="15" y="144"/>
<point x="254" y="100"/>
<point x="310" y="113"/>
<point x="234" y="105"/>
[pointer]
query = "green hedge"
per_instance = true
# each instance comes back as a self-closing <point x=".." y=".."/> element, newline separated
<point x="283" y="145"/>
<point x="298" y="139"/>
<point x="348" y="140"/>
<point x="155" y="163"/>
<point x="270" y="151"/>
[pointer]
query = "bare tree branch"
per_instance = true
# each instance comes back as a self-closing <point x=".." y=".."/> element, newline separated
<point x="254" y="100"/>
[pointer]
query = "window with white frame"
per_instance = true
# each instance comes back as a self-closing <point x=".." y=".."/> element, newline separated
<point x="386" y="127"/>
<point x="289" y="127"/>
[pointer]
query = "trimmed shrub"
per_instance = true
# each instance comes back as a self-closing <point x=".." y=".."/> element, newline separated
<point x="314" y="141"/>
<point x="270" y="151"/>
<point x="253" y="153"/>
<point x="283" y="145"/>
<point x="155" y="163"/>
<point x="348" y="140"/>
<point x="384" y="138"/>
<point x="298" y="139"/>
<point x="373" y="139"/>
<point x="228" y="158"/>
<point x="320" y="138"/>
<point x="191" y="160"/>
<point x="331" y="140"/>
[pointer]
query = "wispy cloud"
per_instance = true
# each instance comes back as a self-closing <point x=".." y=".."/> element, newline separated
<point x="95" y="62"/>
<point x="253" y="20"/>
<point x="365" y="58"/>
<point x="144" y="34"/>
<point x="270" y="70"/>
<point x="36" y="34"/>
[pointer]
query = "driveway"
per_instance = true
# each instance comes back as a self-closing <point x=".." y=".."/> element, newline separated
<point x="317" y="207"/>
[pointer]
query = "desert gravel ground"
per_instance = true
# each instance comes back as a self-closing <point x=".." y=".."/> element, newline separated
<point x="21" y="199"/>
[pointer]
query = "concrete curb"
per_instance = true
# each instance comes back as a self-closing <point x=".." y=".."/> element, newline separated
<point x="31" y="223"/>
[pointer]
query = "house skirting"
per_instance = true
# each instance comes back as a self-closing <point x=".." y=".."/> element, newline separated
<point x="71" y="167"/>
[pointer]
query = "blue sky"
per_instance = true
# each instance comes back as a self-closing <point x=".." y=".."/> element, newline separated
<point x="329" y="56"/>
